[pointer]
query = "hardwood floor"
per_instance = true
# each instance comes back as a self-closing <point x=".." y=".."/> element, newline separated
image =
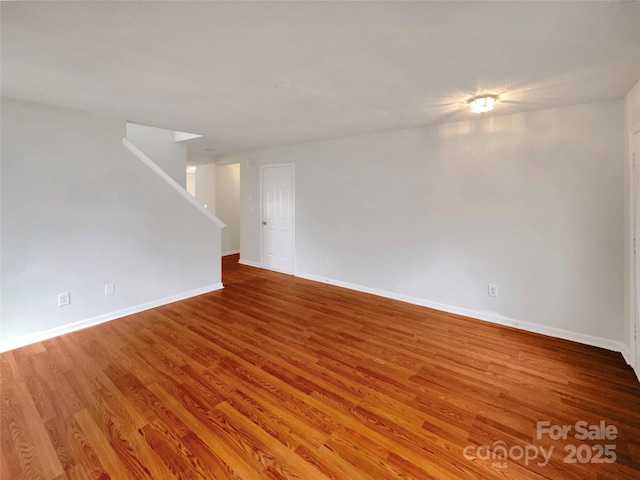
<point x="278" y="377"/>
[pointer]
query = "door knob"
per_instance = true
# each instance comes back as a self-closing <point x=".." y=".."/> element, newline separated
<point x="264" y="223"/>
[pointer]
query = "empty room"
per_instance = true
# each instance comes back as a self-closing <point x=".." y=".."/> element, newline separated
<point x="319" y="240"/>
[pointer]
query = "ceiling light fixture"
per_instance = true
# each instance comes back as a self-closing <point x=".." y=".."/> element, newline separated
<point x="482" y="103"/>
<point x="284" y="86"/>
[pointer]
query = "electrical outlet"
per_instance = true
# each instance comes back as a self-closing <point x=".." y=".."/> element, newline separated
<point x="493" y="290"/>
<point x="64" y="299"/>
<point x="109" y="288"/>
<point x="324" y="260"/>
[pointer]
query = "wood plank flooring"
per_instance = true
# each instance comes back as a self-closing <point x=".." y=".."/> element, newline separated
<point x="275" y="377"/>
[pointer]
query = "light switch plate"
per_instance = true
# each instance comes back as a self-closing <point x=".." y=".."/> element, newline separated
<point x="64" y="299"/>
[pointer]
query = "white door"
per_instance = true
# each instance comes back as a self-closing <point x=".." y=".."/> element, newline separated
<point x="277" y="217"/>
<point x="636" y="264"/>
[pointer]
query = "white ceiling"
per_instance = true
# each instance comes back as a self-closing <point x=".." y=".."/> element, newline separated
<point x="357" y="67"/>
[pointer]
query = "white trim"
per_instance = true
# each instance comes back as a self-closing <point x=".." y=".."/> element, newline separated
<point x="90" y="322"/>
<point x="260" y="214"/>
<point x="249" y="263"/>
<point x="630" y="225"/>
<point x="626" y="354"/>
<point x="486" y="316"/>
<point x="175" y="185"/>
<point x="293" y="220"/>
<point x="230" y="252"/>
<point x="633" y="274"/>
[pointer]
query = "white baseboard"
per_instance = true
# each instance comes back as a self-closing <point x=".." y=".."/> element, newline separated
<point x="486" y="316"/>
<point x="626" y="354"/>
<point x="90" y="322"/>
<point x="230" y="252"/>
<point x="249" y="263"/>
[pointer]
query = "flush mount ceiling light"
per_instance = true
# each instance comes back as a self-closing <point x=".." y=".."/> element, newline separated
<point x="482" y="103"/>
<point x="284" y="86"/>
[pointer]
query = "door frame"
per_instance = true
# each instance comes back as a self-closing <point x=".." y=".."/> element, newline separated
<point x="293" y="212"/>
<point x="634" y="273"/>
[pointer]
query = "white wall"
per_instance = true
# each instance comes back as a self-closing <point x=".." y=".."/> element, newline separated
<point x="160" y="146"/>
<point x="205" y="177"/>
<point x="191" y="183"/>
<point x="228" y="205"/>
<point x="532" y="202"/>
<point x="79" y="211"/>
<point x="632" y="106"/>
